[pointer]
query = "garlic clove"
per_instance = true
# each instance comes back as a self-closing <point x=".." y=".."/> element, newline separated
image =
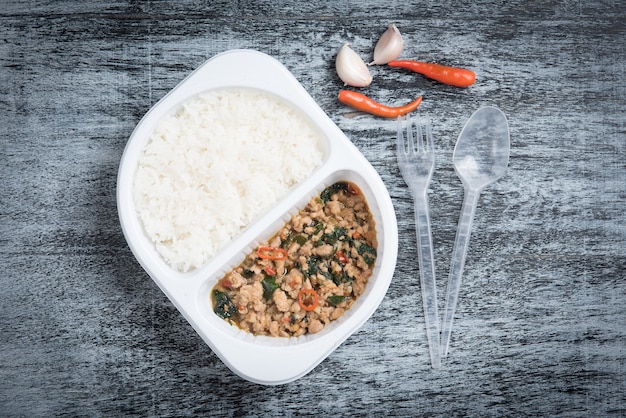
<point x="351" y="69"/>
<point x="389" y="46"/>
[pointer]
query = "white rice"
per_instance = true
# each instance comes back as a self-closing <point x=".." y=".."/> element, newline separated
<point x="215" y="165"/>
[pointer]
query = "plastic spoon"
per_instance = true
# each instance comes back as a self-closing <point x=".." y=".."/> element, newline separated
<point x="481" y="156"/>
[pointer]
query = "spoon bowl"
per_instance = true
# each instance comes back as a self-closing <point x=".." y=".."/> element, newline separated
<point x="481" y="156"/>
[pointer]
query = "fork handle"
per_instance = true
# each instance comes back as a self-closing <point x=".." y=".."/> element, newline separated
<point x="427" y="276"/>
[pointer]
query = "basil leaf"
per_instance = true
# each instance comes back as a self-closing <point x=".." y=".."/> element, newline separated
<point x="318" y="228"/>
<point x="269" y="286"/>
<point x="342" y="277"/>
<point x="368" y="253"/>
<point x="313" y="264"/>
<point x="336" y="300"/>
<point x="224" y="306"/>
<point x="328" y="192"/>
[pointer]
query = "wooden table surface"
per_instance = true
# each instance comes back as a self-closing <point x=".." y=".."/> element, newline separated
<point x="540" y="328"/>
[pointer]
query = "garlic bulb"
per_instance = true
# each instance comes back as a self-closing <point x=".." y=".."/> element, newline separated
<point x="388" y="47"/>
<point x="351" y="69"/>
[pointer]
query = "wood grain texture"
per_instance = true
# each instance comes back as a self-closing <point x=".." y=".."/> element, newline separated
<point x="541" y="322"/>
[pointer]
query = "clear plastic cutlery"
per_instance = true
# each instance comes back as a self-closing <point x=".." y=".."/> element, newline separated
<point x="481" y="156"/>
<point x="416" y="159"/>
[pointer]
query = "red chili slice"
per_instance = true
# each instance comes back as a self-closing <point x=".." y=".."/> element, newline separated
<point x="308" y="299"/>
<point x="271" y="253"/>
<point x="342" y="257"/>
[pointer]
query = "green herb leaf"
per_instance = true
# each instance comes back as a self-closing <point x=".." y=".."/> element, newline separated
<point x="341" y="278"/>
<point x="300" y="239"/>
<point x="336" y="300"/>
<point x="313" y="264"/>
<point x="368" y="253"/>
<point x="338" y="234"/>
<point x="318" y="227"/>
<point x="269" y="286"/>
<point x="328" y="192"/>
<point x="224" y="306"/>
<point x="297" y="238"/>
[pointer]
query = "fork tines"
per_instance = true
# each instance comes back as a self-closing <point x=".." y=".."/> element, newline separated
<point x="419" y="139"/>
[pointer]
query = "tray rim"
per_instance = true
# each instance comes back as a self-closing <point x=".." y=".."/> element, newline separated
<point x="296" y="359"/>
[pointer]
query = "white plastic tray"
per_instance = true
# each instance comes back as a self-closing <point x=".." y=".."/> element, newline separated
<point x="264" y="360"/>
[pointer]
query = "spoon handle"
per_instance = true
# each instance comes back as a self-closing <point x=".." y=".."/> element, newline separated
<point x="458" y="261"/>
<point x="427" y="276"/>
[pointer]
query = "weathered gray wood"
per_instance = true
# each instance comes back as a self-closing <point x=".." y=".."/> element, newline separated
<point x="541" y="322"/>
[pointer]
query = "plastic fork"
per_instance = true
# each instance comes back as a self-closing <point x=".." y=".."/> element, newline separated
<point x="416" y="159"/>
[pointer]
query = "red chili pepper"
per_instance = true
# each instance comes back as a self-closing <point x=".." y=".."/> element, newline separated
<point x="271" y="253"/>
<point x="458" y="77"/>
<point x="308" y="299"/>
<point x="270" y="271"/>
<point x="342" y="257"/>
<point x="363" y="103"/>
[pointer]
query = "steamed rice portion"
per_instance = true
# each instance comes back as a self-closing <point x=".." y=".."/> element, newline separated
<point x="217" y="163"/>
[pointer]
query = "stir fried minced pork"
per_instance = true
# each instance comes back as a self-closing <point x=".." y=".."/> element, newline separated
<point x="306" y="275"/>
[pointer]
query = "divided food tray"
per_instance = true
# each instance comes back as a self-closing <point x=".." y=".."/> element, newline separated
<point x="260" y="359"/>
